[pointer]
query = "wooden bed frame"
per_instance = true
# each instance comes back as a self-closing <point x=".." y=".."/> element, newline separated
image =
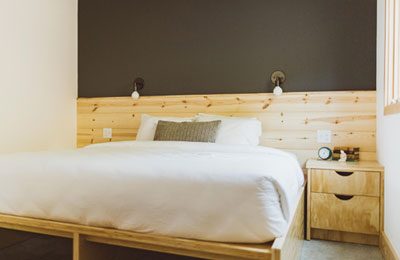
<point x="88" y="240"/>
<point x="289" y="122"/>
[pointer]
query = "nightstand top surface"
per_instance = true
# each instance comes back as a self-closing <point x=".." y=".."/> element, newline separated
<point x="335" y="165"/>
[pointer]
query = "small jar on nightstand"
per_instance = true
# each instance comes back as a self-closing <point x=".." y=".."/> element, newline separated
<point x="345" y="201"/>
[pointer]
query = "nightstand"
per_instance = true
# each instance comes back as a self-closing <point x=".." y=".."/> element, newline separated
<point x="345" y="201"/>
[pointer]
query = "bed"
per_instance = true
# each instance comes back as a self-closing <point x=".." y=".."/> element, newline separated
<point x="289" y="123"/>
<point x="234" y="203"/>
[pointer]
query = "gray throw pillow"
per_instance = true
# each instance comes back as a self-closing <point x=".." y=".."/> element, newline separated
<point x="187" y="131"/>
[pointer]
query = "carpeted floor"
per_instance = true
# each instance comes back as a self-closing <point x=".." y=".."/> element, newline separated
<point x="326" y="250"/>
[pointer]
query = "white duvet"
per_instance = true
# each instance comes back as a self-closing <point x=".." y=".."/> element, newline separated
<point x="191" y="190"/>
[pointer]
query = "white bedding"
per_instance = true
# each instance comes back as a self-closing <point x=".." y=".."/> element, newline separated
<point x="192" y="190"/>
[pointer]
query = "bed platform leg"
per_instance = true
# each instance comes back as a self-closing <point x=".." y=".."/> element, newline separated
<point x="289" y="246"/>
<point x="85" y="250"/>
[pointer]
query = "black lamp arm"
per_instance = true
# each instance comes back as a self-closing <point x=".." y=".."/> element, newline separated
<point x="138" y="84"/>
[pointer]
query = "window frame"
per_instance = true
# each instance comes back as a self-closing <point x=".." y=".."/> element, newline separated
<point x="392" y="58"/>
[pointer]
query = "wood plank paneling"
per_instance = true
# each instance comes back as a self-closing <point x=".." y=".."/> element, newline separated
<point x="289" y="121"/>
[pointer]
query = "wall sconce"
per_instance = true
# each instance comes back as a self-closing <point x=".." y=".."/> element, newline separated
<point x="278" y="77"/>
<point x="138" y="84"/>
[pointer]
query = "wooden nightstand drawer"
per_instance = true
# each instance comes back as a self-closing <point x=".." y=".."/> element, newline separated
<point x="359" y="214"/>
<point x="346" y="182"/>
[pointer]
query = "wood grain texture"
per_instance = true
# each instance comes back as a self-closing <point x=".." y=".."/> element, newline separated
<point x="289" y="246"/>
<point x="357" y="220"/>
<point x="88" y="240"/>
<point x="289" y="121"/>
<point x="308" y="203"/>
<point x="86" y="250"/>
<point x="368" y="165"/>
<point x="387" y="249"/>
<point x="342" y="236"/>
<point x="252" y="251"/>
<point x="392" y="109"/>
<point x="161" y="249"/>
<point x="382" y="206"/>
<point x="358" y="183"/>
<point x="359" y="214"/>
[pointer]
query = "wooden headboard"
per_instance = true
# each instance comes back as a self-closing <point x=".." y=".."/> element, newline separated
<point x="290" y="121"/>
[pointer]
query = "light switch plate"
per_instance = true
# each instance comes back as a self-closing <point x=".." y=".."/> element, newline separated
<point x="107" y="132"/>
<point x="324" y="136"/>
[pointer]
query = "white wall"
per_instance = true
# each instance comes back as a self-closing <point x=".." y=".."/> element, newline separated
<point x="38" y="74"/>
<point x="388" y="137"/>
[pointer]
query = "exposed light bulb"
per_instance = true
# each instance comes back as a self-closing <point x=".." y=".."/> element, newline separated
<point x="135" y="95"/>
<point x="278" y="91"/>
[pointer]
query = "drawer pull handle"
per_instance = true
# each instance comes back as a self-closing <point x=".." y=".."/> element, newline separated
<point x="344" y="174"/>
<point x="344" y="197"/>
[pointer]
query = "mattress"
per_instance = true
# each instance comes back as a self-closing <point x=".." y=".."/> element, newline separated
<point x="192" y="190"/>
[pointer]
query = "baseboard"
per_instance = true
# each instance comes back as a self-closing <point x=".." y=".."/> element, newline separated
<point x="387" y="249"/>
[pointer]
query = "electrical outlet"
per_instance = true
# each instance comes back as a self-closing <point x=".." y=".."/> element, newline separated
<point x="107" y="132"/>
<point x="324" y="136"/>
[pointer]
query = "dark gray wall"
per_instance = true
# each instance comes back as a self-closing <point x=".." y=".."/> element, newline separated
<point x="225" y="46"/>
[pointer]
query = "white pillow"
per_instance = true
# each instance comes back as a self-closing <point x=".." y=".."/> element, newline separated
<point x="148" y="125"/>
<point x="235" y="130"/>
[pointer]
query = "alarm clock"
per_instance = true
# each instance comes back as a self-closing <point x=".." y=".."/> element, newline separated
<point x="325" y="153"/>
